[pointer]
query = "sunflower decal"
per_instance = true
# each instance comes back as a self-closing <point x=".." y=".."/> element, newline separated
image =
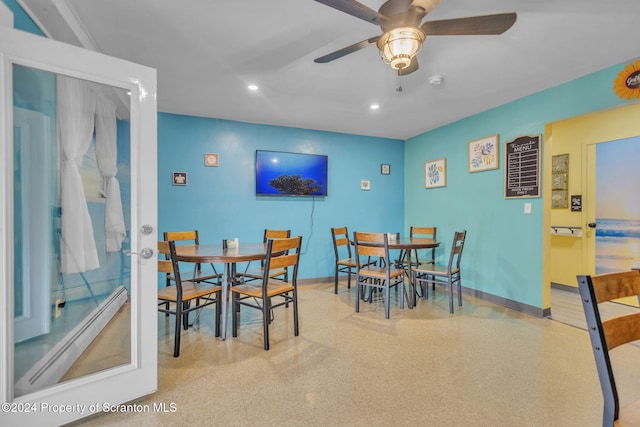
<point x="627" y="84"/>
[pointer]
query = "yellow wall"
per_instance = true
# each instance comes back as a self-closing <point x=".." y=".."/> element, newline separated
<point x="570" y="256"/>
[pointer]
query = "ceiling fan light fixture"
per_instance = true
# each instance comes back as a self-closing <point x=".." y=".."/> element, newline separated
<point x="398" y="46"/>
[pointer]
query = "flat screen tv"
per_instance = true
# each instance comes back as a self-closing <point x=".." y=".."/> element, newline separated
<point x="279" y="173"/>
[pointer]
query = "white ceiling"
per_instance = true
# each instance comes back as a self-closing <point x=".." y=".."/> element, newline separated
<point x="207" y="51"/>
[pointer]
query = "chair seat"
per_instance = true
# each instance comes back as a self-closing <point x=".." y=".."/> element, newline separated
<point x="629" y="415"/>
<point x="349" y="262"/>
<point x="258" y="273"/>
<point x="190" y="291"/>
<point x="380" y="273"/>
<point x="199" y="277"/>
<point x="254" y="289"/>
<point x="434" y="270"/>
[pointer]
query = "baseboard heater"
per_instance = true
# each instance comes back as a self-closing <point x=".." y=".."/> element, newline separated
<point x="48" y="370"/>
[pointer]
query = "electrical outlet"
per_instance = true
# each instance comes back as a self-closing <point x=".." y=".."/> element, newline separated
<point x="527" y="208"/>
<point x="59" y="304"/>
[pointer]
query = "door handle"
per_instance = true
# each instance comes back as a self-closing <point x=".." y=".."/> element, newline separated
<point x="144" y="253"/>
<point x="592" y="225"/>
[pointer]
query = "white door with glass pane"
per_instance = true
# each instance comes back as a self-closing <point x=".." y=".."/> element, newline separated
<point x="79" y="196"/>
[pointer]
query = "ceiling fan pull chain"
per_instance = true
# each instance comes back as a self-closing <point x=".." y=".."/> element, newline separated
<point x="398" y="85"/>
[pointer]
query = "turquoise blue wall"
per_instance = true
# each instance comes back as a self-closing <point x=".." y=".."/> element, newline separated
<point x="503" y="253"/>
<point x="21" y="20"/>
<point x="221" y="203"/>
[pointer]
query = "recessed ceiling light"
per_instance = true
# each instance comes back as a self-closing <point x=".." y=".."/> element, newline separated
<point x="252" y="87"/>
<point x="375" y="106"/>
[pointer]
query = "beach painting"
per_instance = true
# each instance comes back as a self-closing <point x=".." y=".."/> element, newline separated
<point x="617" y="205"/>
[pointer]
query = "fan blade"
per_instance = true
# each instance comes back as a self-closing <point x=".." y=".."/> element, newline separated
<point x="353" y="8"/>
<point x="346" y="50"/>
<point x="471" y="26"/>
<point x="411" y="68"/>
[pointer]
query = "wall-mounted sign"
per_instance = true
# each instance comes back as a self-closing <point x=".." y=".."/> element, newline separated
<point x="627" y="84"/>
<point x="522" y="167"/>
<point x="576" y="203"/>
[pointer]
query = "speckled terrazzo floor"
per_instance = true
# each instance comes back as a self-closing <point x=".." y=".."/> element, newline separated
<point x="485" y="365"/>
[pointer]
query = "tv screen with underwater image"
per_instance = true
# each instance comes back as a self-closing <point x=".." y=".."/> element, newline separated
<point x="280" y="173"/>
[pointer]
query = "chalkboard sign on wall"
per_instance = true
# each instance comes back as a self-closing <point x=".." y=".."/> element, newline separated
<point x="522" y="167"/>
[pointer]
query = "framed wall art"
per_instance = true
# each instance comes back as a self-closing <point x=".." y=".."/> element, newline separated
<point x="385" y="169"/>
<point x="365" y="184"/>
<point x="179" y="178"/>
<point x="559" y="181"/>
<point x="435" y="173"/>
<point x="211" y="159"/>
<point x="484" y="154"/>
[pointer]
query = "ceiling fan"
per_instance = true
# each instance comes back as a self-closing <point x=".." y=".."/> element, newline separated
<point x="403" y="30"/>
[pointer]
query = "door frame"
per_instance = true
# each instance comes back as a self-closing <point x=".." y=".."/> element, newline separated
<point x="123" y="383"/>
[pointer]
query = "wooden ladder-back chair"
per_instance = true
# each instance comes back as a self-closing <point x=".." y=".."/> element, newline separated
<point x="257" y="273"/>
<point x="376" y="245"/>
<point x="340" y="237"/>
<point x="183" y="294"/>
<point x="281" y="253"/>
<point x="429" y="232"/>
<point x="607" y="334"/>
<point x="191" y="237"/>
<point x="446" y="275"/>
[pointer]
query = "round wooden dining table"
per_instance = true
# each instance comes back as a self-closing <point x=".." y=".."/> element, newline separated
<point x="408" y="244"/>
<point x="217" y="254"/>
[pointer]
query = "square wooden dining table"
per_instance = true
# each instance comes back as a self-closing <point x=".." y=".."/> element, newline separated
<point x="229" y="256"/>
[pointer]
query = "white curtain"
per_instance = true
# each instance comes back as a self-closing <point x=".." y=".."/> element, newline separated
<point x="107" y="156"/>
<point x="76" y="106"/>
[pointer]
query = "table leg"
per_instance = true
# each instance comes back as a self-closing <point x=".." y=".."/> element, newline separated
<point x="411" y="302"/>
<point x="225" y="300"/>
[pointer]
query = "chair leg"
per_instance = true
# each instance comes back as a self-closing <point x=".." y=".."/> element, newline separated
<point x="266" y="310"/>
<point x="358" y="290"/>
<point x="336" y="281"/>
<point x="271" y="316"/>
<point x="218" y="306"/>
<point x="178" y="330"/>
<point x="387" y="303"/>
<point x="459" y="292"/>
<point x="296" y="325"/>
<point x="185" y="316"/>
<point x="349" y="274"/>
<point x="235" y="313"/>
<point x="450" y="296"/>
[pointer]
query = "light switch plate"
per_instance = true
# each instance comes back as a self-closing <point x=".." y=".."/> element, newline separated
<point x="527" y="208"/>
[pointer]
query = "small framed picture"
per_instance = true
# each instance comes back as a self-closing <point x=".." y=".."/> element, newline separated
<point x="179" y="178"/>
<point x="484" y="154"/>
<point x="385" y="169"/>
<point x="365" y="184"/>
<point x="435" y="173"/>
<point x="211" y="159"/>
